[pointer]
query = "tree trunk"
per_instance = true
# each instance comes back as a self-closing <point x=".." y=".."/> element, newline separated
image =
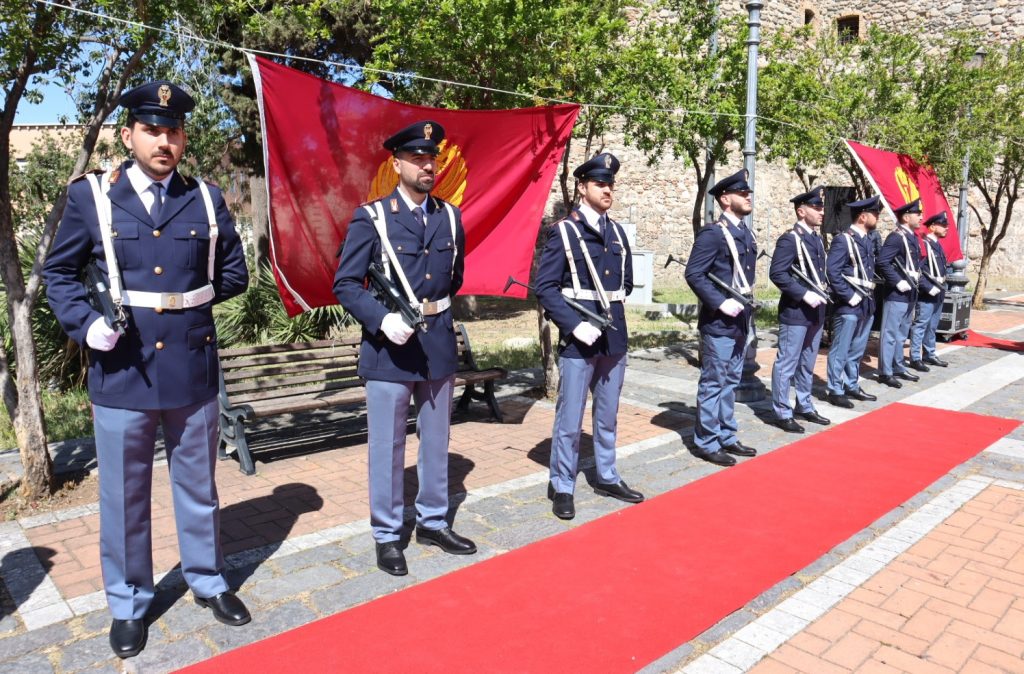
<point x="260" y="220"/>
<point x="547" y="355"/>
<point x="978" y="299"/>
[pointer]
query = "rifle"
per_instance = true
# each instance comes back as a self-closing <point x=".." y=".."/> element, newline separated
<point x="725" y="287"/>
<point x="906" y="275"/>
<point x="389" y="293"/>
<point x="600" y="321"/>
<point x="98" y="293"/>
<point x="795" y="271"/>
<point x="855" y="284"/>
<point x="938" y="284"/>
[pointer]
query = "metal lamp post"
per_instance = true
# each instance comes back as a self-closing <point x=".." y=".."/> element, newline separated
<point x="958" y="279"/>
<point x="709" y="201"/>
<point x="750" y="388"/>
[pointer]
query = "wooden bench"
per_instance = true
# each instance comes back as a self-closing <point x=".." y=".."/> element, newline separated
<point x="263" y="381"/>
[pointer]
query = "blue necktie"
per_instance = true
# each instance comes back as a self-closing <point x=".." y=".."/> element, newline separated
<point x="418" y="214"/>
<point x="158" y="202"/>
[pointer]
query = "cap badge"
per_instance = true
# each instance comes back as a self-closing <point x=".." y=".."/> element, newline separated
<point x="164" y="92"/>
<point x="607" y="161"/>
<point x="428" y="130"/>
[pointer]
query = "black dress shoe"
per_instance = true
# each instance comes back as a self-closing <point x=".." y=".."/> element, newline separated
<point x="919" y="366"/>
<point x="906" y="376"/>
<point x="446" y="539"/>
<point x="227" y="608"/>
<point x="812" y="417"/>
<point x="839" y="401"/>
<point x="861" y="394"/>
<point x="127" y="637"/>
<point x="718" y="457"/>
<point x="889" y="381"/>
<point x="938" y="362"/>
<point x="620" y="490"/>
<point x="563" y="507"/>
<point x="391" y="559"/>
<point x="789" y="425"/>
<point x="738" y="449"/>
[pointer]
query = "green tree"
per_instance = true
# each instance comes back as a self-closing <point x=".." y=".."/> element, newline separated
<point x="39" y="44"/>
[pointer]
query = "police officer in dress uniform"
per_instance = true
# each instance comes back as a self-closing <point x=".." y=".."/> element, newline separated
<point x="419" y="240"/>
<point x="725" y="248"/>
<point x="929" y="301"/>
<point x="172" y="254"/>
<point x="851" y="269"/>
<point x="898" y="265"/>
<point x="587" y="258"/>
<point x="801" y="311"/>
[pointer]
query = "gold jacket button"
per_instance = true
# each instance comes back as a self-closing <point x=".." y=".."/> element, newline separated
<point x="209" y="339"/>
<point x="192" y="232"/>
<point x="426" y="251"/>
<point x="159" y="310"/>
<point x="158" y="270"/>
<point x="607" y="272"/>
<point x="159" y="346"/>
<point x="427" y="276"/>
<point x="156" y="233"/>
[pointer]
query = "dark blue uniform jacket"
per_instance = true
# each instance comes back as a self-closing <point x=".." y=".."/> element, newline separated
<point x="840" y="262"/>
<point x="894" y="253"/>
<point x="166" y="359"/>
<point x="710" y="253"/>
<point x="792" y="309"/>
<point x="553" y="274"/>
<point x="926" y="285"/>
<point x="428" y="257"/>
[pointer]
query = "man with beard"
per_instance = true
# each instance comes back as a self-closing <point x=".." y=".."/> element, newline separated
<point x="418" y="240"/>
<point x="587" y="259"/>
<point x="801" y="311"/>
<point x="933" y="292"/>
<point x="727" y="250"/>
<point x="851" y="269"/>
<point x="898" y="264"/>
<point x="167" y="249"/>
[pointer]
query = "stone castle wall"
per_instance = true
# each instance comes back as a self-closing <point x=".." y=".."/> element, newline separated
<point x="659" y="199"/>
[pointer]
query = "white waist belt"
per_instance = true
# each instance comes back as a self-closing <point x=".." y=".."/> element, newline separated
<point x="869" y="285"/>
<point x="612" y="295"/>
<point x="187" y="300"/>
<point x="435" y="307"/>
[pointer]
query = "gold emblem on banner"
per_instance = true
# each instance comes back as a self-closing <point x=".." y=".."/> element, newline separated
<point x="908" y="189"/>
<point x="451" y="176"/>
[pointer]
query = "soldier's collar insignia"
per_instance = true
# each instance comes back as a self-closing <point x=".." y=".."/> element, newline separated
<point x="164" y="92"/>
<point x="394" y="205"/>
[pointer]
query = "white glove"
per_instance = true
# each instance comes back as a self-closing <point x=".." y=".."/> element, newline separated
<point x="814" y="300"/>
<point x="855" y="300"/>
<point x="933" y="291"/>
<point x="731" y="307"/>
<point x="395" y="329"/>
<point x="100" y="336"/>
<point x="586" y="333"/>
<point x="903" y="286"/>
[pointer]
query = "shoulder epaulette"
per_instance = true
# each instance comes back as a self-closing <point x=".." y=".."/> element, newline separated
<point x="574" y="215"/>
<point x="80" y="176"/>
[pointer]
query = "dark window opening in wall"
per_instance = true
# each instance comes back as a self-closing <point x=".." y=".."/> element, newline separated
<point x="848" y="28"/>
<point x="808" y="17"/>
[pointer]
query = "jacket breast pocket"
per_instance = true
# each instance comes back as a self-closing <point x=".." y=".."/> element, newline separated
<point x="445" y="251"/>
<point x="202" y="356"/>
<point x="191" y="243"/>
<point x="125" y="236"/>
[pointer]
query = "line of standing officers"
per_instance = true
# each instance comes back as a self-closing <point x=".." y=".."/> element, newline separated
<point x="168" y="250"/>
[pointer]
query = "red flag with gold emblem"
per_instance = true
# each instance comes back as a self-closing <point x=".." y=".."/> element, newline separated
<point x="323" y="153"/>
<point x="900" y="180"/>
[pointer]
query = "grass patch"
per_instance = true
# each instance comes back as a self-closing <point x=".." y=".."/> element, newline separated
<point x="68" y="415"/>
<point x="508" y="357"/>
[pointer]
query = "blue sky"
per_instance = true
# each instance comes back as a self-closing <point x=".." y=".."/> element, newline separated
<point x="55" y="103"/>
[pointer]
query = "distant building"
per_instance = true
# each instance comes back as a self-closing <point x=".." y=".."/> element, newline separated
<point x="25" y="136"/>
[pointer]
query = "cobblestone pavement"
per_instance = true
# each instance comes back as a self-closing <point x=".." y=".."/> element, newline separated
<point x="298" y="544"/>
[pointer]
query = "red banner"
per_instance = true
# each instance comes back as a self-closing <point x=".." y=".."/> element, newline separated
<point x="323" y="154"/>
<point x="900" y="180"/>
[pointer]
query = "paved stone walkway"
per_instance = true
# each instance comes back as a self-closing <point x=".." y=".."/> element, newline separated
<point x="299" y="548"/>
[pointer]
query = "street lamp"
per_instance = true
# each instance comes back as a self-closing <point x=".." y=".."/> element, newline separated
<point x="750" y="388"/>
<point x="958" y="279"/>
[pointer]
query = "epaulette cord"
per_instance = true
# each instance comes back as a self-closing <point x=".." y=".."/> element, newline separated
<point x="75" y="179"/>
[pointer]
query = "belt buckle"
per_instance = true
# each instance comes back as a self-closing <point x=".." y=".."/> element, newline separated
<point x="428" y="308"/>
<point x="172" y="300"/>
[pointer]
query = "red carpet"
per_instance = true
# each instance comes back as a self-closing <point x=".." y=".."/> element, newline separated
<point x="616" y="594"/>
<point x="978" y="339"/>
